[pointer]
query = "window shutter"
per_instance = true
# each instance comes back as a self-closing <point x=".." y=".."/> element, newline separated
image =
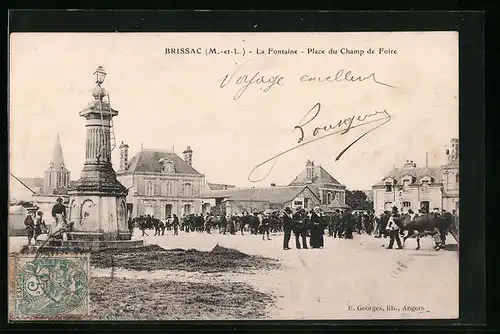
<point x="140" y="208"/>
<point x="141" y="186"/>
<point x="157" y="186"/>
<point x="157" y="210"/>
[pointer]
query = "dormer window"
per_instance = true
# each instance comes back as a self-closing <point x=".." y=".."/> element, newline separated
<point x="168" y="166"/>
<point x="425" y="185"/>
<point x="406" y="185"/>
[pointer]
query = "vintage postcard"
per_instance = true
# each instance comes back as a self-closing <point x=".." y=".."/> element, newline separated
<point x="234" y="176"/>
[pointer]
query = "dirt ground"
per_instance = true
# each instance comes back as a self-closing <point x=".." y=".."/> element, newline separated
<point x="161" y="299"/>
<point x="339" y="282"/>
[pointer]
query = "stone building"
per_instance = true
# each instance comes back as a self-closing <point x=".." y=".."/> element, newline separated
<point x="160" y="182"/>
<point x="43" y="192"/>
<point x="314" y="186"/>
<point x="413" y="187"/>
<point x="451" y="178"/>
<point x="57" y="176"/>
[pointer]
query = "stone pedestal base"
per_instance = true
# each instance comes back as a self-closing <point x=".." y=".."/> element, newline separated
<point x="79" y="245"/>
<point x="98" y="217"/>
<point x="99" y="236"/>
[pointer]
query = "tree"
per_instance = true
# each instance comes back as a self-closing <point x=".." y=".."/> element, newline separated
<point x="358" y="200"/>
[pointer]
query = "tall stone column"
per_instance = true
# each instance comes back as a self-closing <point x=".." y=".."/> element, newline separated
<point x="98" y="198"/>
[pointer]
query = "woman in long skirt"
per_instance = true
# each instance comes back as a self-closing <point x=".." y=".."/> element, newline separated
<point x="317" y="239"/>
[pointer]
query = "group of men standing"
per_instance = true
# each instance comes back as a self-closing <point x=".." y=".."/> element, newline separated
<point x="36" y="225"/>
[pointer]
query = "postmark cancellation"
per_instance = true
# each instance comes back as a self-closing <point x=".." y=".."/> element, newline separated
<point x="49" y="286"/>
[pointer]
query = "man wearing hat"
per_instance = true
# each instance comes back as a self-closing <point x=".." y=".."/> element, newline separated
<point x="287" y="227"/>
<point x="299" y="228"/>
<point x="349" y="224"/>
<point x="393" y="229"/>
<point x="59" y="211"/>
<point x="40" y="226"/>
<point x="30" y="224"/>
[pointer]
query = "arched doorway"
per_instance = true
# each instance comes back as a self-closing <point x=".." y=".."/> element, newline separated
<point x="205" y="208"/>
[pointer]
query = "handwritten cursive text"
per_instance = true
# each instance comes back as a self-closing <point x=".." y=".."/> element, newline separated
<point x="321" y="131"/>
<point x="246" y="80"/>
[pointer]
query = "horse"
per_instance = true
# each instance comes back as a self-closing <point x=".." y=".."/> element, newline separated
<point x="426" y="224"/>
<point x="159" y="226"/>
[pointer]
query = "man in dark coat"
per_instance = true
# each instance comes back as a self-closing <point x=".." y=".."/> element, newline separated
<point x="175" y="224"/>
<point x="244" y="221"/>
<point x="30" y="225"/>
<point x="223" y="224"/>
<point x="40" y="226"/>
<point x="264" y="226"/>
<point x="287" y="227"/>
<point x="299" y="229"/>
<point x="349" y="224"/>
<point x="130" y="225"/>
<point x="384" y="219"/>
<point x="59" y="210"/>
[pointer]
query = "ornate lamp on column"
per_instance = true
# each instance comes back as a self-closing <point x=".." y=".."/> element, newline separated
<point x="97" y="200"/>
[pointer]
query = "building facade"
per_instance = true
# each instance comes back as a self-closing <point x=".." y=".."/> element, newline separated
<point x="160" y="183"/>
<point x="413" y="187"/>
<point x="314" y="186"/>
<point x="324" y="185"/>
<point x="44" y="192"/>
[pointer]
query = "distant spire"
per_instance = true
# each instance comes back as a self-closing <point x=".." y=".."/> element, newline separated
<point x="57" y="155"/>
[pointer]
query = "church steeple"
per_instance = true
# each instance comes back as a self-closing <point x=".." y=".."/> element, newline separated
<point x="57" y="176"/>
<point x="57" y="162"/>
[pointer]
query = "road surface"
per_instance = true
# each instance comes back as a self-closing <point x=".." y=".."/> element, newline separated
<point x="347" y="279"/>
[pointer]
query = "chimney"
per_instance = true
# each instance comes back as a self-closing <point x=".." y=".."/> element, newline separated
<point x="454" y="154"/>
<point x="188" y="155"/>
<point x="409" y="164"/>
<point x="123" y="156"/>
<point x="309" y="171"/>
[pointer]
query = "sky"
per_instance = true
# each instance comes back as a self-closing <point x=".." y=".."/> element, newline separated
<point x="170" y="101"/>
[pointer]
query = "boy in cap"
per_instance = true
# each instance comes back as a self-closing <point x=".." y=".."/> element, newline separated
<point x="393" y="229"/>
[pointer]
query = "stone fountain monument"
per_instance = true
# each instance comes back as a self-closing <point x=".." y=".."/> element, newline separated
<point x="97" y="201"/>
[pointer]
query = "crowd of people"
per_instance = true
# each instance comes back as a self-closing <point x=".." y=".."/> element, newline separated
<point x="307" y="226"/>
<point x="36" y="225"/>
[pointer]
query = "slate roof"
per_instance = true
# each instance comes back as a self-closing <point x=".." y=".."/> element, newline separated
<point x="148" y="161"/>
<point x="219" y="186"/>
<point x="335" y="204"/>
<point x="32" y="182"/>
<point x="417" y="172"/>
<point x="320" y="176"/>
<point x="276" y="194"/>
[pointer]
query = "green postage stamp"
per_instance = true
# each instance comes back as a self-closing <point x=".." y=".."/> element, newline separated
<point x="49" y="286"/>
